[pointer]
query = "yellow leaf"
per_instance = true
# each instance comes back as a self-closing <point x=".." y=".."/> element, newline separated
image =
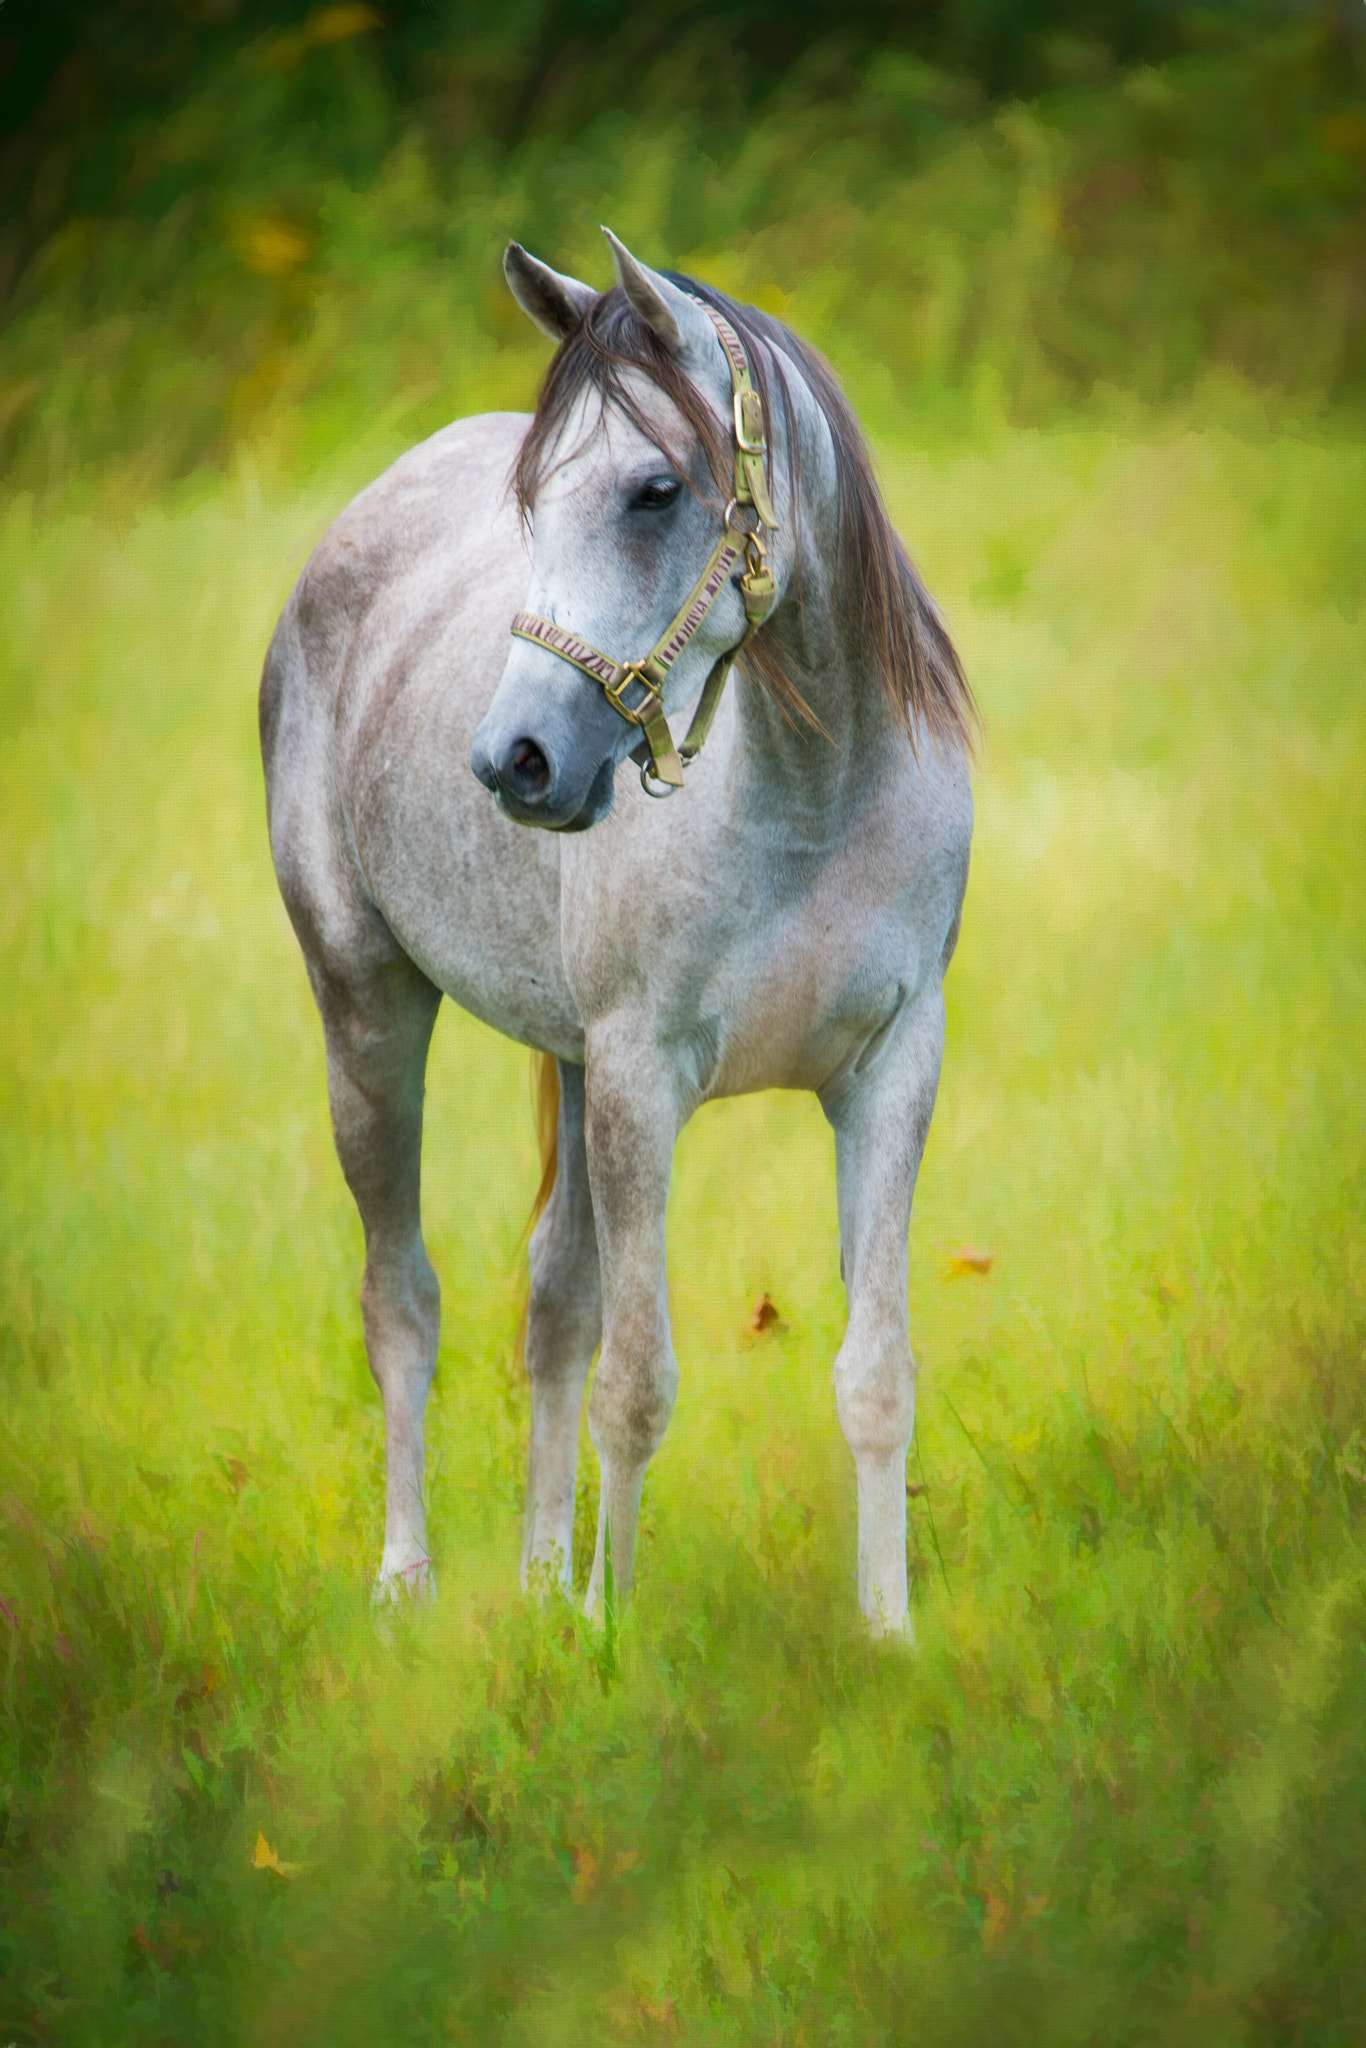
<point x="271" y="246"/>
<point x="265" y="1858"/>
<point x="968" y="1260"/>
<point x="339" y="24"/>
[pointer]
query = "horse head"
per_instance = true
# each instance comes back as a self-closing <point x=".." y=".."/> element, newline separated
<point x="628" y="482"/>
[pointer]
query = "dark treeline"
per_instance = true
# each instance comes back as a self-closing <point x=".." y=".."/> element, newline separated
<point x="227" y="221"/>
<point x="83" y="82"/>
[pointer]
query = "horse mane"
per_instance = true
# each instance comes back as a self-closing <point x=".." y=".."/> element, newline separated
<point x="921" y="673"/>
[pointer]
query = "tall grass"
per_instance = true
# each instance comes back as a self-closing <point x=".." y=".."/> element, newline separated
<point x="1119" y="1793"/>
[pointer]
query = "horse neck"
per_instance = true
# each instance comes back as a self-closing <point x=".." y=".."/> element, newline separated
<point x="818" y="634"/>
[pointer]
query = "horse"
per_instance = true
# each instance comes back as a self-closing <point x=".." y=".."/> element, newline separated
<point x="785" y="920"/>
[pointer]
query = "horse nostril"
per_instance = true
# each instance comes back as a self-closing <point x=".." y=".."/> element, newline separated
<point x="526" y="773"/>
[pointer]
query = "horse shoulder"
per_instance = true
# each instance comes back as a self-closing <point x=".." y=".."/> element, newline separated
<point x="342" y="639"/>
<point x="445" y="500"/>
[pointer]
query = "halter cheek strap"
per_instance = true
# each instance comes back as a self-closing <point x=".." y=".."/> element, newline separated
<point x="757" y="588"/>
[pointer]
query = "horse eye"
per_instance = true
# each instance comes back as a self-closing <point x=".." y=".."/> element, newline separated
<point x="657" y="493"/>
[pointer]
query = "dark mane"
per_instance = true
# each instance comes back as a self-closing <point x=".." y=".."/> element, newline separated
<point x="920" y="669"/>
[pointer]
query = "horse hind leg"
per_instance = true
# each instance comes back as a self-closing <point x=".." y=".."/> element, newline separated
<point x="378" y="1027"/>
<point x="563" y="1326"/>
<point x="881" y="1119"/>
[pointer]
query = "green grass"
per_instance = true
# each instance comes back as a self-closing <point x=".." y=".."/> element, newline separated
<point x="1119" y="1792"/>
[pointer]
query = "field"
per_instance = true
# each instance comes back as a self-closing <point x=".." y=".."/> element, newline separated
<point x="1117" y="1793"/>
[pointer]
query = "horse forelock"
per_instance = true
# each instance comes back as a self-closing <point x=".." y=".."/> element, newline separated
<point x="921" y="673"/>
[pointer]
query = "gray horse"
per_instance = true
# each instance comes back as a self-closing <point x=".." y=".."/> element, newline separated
<point x="784" y="922"/>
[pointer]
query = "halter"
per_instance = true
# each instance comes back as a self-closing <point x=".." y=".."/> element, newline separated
<point x="757" y="587"/>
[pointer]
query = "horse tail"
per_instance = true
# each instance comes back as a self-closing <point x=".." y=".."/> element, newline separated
<point x="545" y="1107"/>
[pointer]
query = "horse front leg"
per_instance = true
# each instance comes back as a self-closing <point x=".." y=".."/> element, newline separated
<point x="564" y="1328"/>
<point x="631" y="1127"/>
<point x="880" y="1118"/>
<point x="378" y="1026"/>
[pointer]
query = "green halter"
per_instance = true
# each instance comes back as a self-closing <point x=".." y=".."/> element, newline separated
<point x="757" y="588"/>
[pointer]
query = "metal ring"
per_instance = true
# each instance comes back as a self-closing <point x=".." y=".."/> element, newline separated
<point x="665" y="788"/>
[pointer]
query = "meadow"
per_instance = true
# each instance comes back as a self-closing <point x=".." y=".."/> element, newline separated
<point x="1117" y="1793"/>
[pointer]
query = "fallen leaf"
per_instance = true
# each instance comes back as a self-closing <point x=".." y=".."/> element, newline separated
<point x="209" y="1682"/>
<point x="996" y="1922"/>
<point x="585" y="1873"/>
<point x="174" y="1943"/>
<point x="265" y="1858"/>
<point x="968" y="1260"/>
<point x="763" y="1316"/>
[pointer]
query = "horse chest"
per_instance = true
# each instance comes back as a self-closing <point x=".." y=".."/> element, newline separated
<point x="783" y="973"/>
<point x="805" y="990"/>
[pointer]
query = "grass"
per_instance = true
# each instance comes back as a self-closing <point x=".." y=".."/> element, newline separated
<point x="1119" y="1793"/>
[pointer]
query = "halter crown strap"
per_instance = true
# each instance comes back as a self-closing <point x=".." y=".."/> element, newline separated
<point x="757" y="588"/>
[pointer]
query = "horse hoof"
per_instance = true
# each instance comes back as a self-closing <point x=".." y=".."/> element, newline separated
<point x="403" y="1585"/>
<point x="892" y="1635"/>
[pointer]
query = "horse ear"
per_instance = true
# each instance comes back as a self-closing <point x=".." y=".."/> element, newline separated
<point x="671" y="314"/>
<point x="557" y="304"/>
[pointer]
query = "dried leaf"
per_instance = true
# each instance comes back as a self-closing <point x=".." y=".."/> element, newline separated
<point x="764" y="1316"/>
<point x="968" y="1260"/>
<point x="209" y="1682"/>
<point x="585" y="1873"/>
<point x="996" y="1923"/>
<point x="265" y="1858"/>
<point x="236" y="1473"/>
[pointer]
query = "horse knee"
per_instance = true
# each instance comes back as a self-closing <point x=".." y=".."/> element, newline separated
<point x="401" y="1311"/>
<point x="563" y="1329"/>
<point x="564" y="1295"/>
<point x="631" y="1403"/>
<point x="875" y="1397"/>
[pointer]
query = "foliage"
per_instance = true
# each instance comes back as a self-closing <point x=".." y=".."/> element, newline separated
<point x="302" y="238"/>
<point x="1119" y="1792"/>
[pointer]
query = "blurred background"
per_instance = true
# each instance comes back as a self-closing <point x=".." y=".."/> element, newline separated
<point x="1095" y="278"/>
<point x="228" y="219"/>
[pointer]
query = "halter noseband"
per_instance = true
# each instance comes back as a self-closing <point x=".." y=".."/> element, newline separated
<point x="757" y="587"/>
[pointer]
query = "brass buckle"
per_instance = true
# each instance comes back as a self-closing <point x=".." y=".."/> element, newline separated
<point x="750" y="433"/>
<point x="629" y="673"/>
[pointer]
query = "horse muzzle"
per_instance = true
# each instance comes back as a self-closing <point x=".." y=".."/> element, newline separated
<point x="532" y="788"/>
